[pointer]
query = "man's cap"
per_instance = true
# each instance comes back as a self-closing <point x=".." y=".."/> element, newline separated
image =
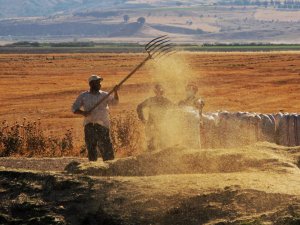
<point x="95" y="77"/>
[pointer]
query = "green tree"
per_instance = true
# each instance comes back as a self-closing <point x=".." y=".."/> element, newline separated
<point x="126" y="18"/>
<point x="141" y="20"/>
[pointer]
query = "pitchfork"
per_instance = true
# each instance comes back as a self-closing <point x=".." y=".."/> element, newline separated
<point x="157" y="48"/>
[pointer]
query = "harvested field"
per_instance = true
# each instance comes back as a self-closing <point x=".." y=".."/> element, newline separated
<point x="45" y="85"/>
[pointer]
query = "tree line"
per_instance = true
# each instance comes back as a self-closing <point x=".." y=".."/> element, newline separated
<point x="265" y="3"/>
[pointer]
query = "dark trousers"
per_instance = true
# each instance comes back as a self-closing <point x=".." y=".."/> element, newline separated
<point x="98" y="136"/>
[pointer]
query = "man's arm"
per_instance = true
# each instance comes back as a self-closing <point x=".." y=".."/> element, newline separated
<point x="115" y="99"/>
<point x="77" y="105"/>
<point x="140" y="108"/>
<point x="116" y="95"/>
<point x="199" y="103"/>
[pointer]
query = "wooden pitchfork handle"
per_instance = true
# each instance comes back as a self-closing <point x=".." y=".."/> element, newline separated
<point x="120" y="83"/>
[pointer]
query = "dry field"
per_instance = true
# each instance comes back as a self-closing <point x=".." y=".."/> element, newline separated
<point x="283" y="16"/>
<point x="44" y="86"/>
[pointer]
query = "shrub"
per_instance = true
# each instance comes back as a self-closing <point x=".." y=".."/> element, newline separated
<point x="10" y="139"/>
<point x="126" y="133"/>
<point x="141" y="20"/>
<point x="33" y="136"/>
<point x="29" y="139"/>
<point x="67" y="141"/>
<point x="126" y="18"/>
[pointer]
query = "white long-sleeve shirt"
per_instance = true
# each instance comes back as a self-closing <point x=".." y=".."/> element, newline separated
<point x="99" y="115"/>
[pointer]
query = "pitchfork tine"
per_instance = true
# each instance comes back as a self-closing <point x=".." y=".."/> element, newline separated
<point x="166" y="54"/>
<point x="157" y="42"/>
<point x="159" y="46"/>
<point x="154" y="40"/>
<point x="162" y="48"/>
<point x="153" y="48"/>
<point x="165" y="51"/>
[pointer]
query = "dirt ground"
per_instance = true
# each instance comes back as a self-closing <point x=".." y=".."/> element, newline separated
<point x="256" y="184"/>
<point x="42" y="164"/>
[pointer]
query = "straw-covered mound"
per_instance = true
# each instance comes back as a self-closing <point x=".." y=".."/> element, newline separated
<point x="252" y="185"/>
<point x="179" y="160"/>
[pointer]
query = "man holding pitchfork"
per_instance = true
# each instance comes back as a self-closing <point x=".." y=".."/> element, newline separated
<point x="96" y="121"/>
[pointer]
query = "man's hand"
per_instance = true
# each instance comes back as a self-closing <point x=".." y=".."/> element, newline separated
<point x="116" y="88"/>
<point x="199" y="104"/>
<point x="83" y="113"/>
<point x="116" y="95"/>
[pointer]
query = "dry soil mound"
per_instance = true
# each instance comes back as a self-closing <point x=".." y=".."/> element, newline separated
<point x="178" y="160"/>
<point x="252" y="185"/>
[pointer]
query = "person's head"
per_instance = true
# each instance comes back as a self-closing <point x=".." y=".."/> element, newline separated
<point x="159" y="90"/>
<point x="191" y="89"/>
<point x="95" y="82"/>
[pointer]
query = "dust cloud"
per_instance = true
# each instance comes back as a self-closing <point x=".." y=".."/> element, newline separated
<point x="179" y="126"/>
<point x="173" y="72"/>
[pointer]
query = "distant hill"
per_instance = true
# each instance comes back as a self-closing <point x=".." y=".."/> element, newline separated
<point x="200" y="21"/>
<point x="33" y="8"/>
